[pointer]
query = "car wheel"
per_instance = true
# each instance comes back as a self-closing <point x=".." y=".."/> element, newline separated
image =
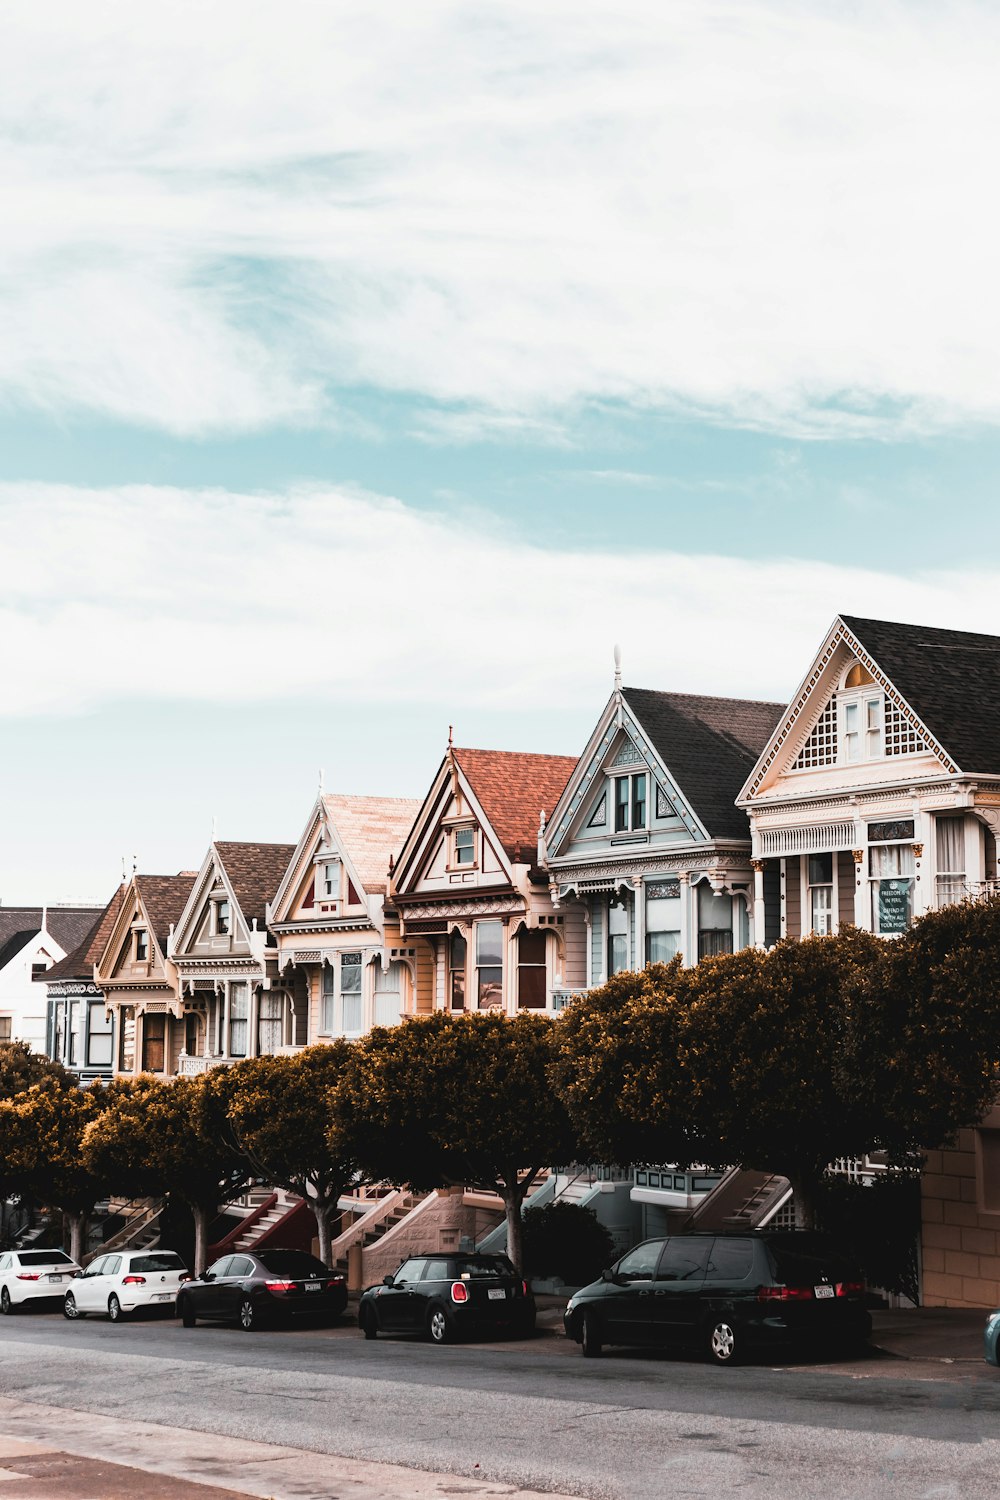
<point x="248" y="1315"/>
<point x="590" y="1336"/>
<point x="438" y="1326"/>
<point x="6" y="1305"/>
<point x="70" y="1309"/>
<point x="369" y="1326"/>
<point x="723" y="1344"/>
<point x="115" y="1310"/>
<point x="186" y="1312"/>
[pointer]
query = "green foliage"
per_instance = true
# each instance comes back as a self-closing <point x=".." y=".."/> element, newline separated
<point x="42" y="1132"/>
<point x="568" y="1241"/>
<point x="20" y="1068"/>
<point x="877" y="1226"/>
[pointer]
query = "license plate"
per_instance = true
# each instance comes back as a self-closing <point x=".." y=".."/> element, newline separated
<point x="55" y="1278"/>
<point x="497" y="1294"/>
<point x="823" y="1291"/>
<point x="312" y="1286"/>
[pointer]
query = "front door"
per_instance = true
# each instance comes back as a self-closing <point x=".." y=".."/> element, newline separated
<point x="627" y="1303"/>
<point x="677" y="1287"/>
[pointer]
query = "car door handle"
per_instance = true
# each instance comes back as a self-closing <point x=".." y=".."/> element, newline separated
<point x="659" y="1294"/>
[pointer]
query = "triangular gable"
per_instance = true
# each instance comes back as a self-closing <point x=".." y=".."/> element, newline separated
<point x="194" y="929"/>
<point x="618" y="745"/>
<point x="807" y="737"/>
<point x="426" y="862"/>
<point x="118" y="960"/>
<point x="302" y="895"/>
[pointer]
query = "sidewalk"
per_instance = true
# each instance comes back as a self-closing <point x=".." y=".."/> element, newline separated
<point x="949" y="1334"/>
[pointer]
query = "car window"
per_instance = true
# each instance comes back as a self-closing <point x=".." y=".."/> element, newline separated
<point x="410" y="1270"/>
<point x="640" y="1263"/>
<point x="4" y="1262"/>
<point x="477" y="1266"/>
<point x="43" y="1258"/>
<point x="438" y="1270"/>
<point x="730" y="1260"/>
<point x="220" y="1267"/>
<point x="165" y="1260"/>
<point x="291" y="1263"/>
<point x="792" y="1268"/>
<point x="240" y="1266"/>
<point x="112" y="1266"/>
<point x="684" y="1258"/>
<point x="96" y="1267"/>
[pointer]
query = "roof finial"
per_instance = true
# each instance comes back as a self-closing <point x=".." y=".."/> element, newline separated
<point x="214" y="826"/>
<point x="124" y="876"/>
<point x="451" y="734"/>
<point x="322" y="773"/>
<point x="135" y="863"/>
<point x="618" y="669"/>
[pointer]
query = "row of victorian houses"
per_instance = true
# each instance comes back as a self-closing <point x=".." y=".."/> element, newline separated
<point x="689" y="824"/>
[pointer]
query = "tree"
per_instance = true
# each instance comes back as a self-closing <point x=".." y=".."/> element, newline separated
<point x="280" y="1112"/>
<point x="42" y="1132"/>
<point x="167" y="1137"/>
<point x="466" y="1099"/>
<point x="568" y="1241"/>
<point x="20" y="1068"/>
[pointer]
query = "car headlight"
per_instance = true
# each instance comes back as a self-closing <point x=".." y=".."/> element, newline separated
<point x="571" y="1304"/>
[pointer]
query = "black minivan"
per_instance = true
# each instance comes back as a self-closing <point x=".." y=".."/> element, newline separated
<point x="726" y="1293"/>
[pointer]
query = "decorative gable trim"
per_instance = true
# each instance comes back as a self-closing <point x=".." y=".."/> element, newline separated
<point x="420" y="845"/>
<point x="839" y="635"/>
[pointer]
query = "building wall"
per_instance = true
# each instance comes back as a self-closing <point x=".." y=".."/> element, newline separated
<point x="960" y="1238"/>
<point x="575" y="941"/>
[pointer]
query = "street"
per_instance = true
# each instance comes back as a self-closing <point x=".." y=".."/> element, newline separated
<point x="529" y="1415"/>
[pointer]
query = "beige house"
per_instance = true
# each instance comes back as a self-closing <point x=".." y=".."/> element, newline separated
<point x="230" y="999"/>
<point x="338" y="945"/>
<point x="138" y="979"/>
<point x="473" y="899"/>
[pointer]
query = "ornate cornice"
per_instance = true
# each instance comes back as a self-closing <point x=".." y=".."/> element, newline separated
<point x="64" y="987"/>
<point x="626" y="869"/>
<point x="472" y="906"/>
<point x="311" y="929"/>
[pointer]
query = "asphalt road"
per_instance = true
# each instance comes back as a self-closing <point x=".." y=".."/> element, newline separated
<point x="533" y="1414"/>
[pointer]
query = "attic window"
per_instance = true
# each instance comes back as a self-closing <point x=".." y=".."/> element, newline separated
<point x="221" y="910"/>
<point x="331" y="880"/>
<point x="858" y="677"/>
<point x="465" y="846"/>
<point x="141" y="946"/>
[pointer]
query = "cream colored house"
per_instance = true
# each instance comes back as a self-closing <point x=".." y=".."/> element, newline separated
<point x="338" y="944"/>
<point x="139" y="980"/>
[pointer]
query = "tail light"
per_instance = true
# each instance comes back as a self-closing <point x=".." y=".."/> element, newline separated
<point x="334" y="1281"/>
<point x="280" y="1286"/>
<point x="459" y="1291"/>
<point x="524" y="1288"/>
<point x="784" y="1294"/>
<point x="29" y="1275"/>
<point x="185" y="1276"/>
<point x="133" y="1281"/>
<point x="850" y="1288"/>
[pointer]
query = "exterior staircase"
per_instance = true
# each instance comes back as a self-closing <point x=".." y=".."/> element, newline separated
<point x="277" y="1218"/>
<point x="375" y="1223"/>
<point x="141" y="1230"/>
<point x="739" y="1200"/>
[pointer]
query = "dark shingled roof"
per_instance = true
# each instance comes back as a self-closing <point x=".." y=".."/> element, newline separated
<point x="950" y="678"/>
<point x="68" y="925"/>
<point x="80" y="963"/>
<point x="513" y="789"/>
<point x="165" y="897"/>
<point x="710" y="746"/>
<point x="255" y="871"/>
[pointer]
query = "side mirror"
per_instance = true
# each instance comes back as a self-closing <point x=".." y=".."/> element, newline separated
<point x="387" y="1281"/>
<point x="208" y="1276"/>
<point x="609" y="1275"/>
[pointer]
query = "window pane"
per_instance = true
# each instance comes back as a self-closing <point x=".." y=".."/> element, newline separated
<point x="638" y="801"/>
<point x="617" y="953"/>
<point x="465" y="846"/>
<point x="98" y="1037"/>
<point x="489" y="942"/>
<point x="820" y="869"/>
<point x="621" y="803"/>
<point x="458" y="989"/>
<point x="821" y="909"/>
<point x="153" y="1036"/>
<point x="326" y="1000"/>
<point x="661" y="946"/>
<point x="490" y="981"/>
<point x="713" y="941"/>
<point x="951" y="846"/>
<point x="238" y="1002"/>
<point x="531" y="970"/>
<point x="350" y="973"/>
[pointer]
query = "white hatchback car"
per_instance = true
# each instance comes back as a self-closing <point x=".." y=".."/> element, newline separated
<point x="119" y="1283"/>
<point x="33" y="1276"/>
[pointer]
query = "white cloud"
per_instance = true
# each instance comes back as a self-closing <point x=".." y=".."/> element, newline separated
<point x="768" y="212"/>
<point x="155" y="593"/>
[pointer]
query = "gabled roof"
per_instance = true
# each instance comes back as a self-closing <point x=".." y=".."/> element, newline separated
<point x="254" y="871"/>
<point x="709" y="745"/>
<point x="67" y="925"/>
<point x="372" y="829"/>
<point x="513" y="789"/>
<point x="164" y="897"/>
<point x="951" y="680"/>
<point x="80" y="963"/>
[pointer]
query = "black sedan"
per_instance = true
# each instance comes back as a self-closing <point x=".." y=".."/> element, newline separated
<point x="443" y="1296"/>
<point x="267" y="1287"/>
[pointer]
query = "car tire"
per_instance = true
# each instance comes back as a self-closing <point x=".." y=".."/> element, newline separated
<point x="439" y="1329"/>
<point x="115" y="1310"/>
<point x="70" y="1309"/>
<point x="7" y="1306"/>
<point x="724" y="1343"/>
<point x="186" y="1313"/>
<point x="248" y="1315"/>
<point x="590" y="1336"/>
<point x="369" y="1326"/>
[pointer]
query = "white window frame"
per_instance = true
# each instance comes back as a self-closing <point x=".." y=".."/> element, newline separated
<point x="630" y="825"/>
<point x="867" y="706"/>
<point x="464" y="864"/>
<point x="352" y="994"/>
<point x="327" y="1000"/>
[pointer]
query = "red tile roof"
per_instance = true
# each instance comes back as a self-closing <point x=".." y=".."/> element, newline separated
<point x="513" y="790"/>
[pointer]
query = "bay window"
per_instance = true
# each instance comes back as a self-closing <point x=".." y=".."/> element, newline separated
<point x="489" y="965"/>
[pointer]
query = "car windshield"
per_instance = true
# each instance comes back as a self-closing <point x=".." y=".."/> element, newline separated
<point x="43" y="1258"/>
<point x="474" y="1266"/>
<point x="291" y="1263"/>
<point x="166" y="1260"/>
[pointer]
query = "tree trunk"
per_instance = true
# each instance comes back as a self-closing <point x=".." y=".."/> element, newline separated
<point x="77" y="1235"/>
<point x="513" y="1197"/>
<point x="804" y="1191"/>
<point x="202" y="1214"/>
<point x="323" y="1208"/>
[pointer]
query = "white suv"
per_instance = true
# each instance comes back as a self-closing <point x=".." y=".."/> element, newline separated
<point x="117" y="1284"/>
<point x="33" y="1276"/>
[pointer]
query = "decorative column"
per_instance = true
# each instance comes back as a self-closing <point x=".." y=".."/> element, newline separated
<point x="225" y="1019"/>
<point x="759" y="915"/>
<point x="253" y="1018"/>
<point x="862" y="909"/>
<point x="639" y="905"/>
<point x="689" y="897"/>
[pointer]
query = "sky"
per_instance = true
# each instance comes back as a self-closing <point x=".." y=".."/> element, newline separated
<point x="369" y="370"/>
